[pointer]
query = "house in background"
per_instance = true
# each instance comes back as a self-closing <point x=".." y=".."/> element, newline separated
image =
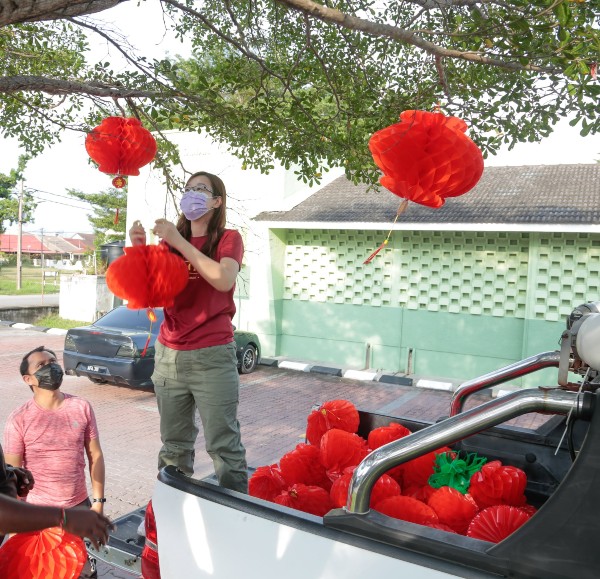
<point x="57" y="251"/>
<point x="484" y="281"/>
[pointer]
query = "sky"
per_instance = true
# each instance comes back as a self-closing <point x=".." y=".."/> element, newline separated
<point x="67" y="165"/>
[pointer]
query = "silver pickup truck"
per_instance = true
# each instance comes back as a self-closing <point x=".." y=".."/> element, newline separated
<point x="196" y="529"/>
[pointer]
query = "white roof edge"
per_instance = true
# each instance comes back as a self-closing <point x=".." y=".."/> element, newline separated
<point x="515" y="227"/>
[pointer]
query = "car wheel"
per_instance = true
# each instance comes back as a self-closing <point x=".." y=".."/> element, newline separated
<point x="248" y="359"/>
<point x="96" y="380"/>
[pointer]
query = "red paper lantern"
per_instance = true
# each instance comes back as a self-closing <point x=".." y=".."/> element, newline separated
<point x="497" y="484"/>
<point x="266" y="482"/>
<point x="384" y="487"/>
<point x="47" y="554"/>
<point x="427" y="157"/>
<point x="453" y="508"/>
<point x="148" y="276"/>
<point x="310" y="499"/>
<point x="120" y="146"/>
<point x="331" y="414"/>
<point x="416" y="472"/>
<point x="496" y="523"/>
<point x="384" y="434"/>
<point x="302" y="465"/>
<point x="341" y="449"/>
<point x="407" y="509"/>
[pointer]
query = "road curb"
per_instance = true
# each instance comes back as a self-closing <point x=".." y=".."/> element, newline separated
<point x="22" y="326"/>
<point x="349" y="373"/>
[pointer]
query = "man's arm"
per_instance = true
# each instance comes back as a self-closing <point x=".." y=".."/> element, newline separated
<point x="14" y="459"/>
<point x="97" y="474"/>
<point x="20" y="517"/>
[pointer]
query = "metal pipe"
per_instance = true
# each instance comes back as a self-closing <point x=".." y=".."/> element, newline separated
<point x="526" y="366"/>
<point x="552" y="401"/>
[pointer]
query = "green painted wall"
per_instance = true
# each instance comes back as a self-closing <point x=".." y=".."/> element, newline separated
<point x="463" y="303"/>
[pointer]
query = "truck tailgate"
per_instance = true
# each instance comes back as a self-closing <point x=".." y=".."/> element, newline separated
<point x="125" y="543"/>
<point x="214" y="533"/>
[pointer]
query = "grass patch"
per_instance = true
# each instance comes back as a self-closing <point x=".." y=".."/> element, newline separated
<point x="31" y="281"/>
<point x="58" y="322"/>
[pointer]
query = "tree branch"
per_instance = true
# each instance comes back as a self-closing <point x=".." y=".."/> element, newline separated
<point x="16" y="11"/>
<point x="334" y="16"/>
<point x="54" y="86"/>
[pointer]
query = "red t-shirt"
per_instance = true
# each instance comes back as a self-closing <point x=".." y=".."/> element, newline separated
<point x="201" y="315"/>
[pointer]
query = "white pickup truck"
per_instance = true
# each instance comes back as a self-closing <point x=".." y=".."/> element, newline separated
<point x="196" y="529"/>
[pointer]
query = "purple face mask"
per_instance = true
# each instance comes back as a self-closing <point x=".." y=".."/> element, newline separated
<point x="194" y="204"/>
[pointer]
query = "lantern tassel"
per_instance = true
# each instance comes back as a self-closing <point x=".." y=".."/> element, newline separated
<point x="152" y="317"/>
<point x="401" y="209"/>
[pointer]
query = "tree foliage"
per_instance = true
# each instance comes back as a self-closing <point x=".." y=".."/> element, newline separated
<point x="109" y="213"/>
<point x="307" y="83"/>
<point x="9" y="197"/>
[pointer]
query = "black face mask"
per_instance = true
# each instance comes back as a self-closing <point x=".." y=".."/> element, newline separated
<point x="50" y="377"/>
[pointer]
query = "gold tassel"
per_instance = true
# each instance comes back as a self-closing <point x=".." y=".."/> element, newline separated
<point x="401" y="210"/>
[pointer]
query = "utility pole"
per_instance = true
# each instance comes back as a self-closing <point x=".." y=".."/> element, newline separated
<point x="42" y="260"/>
<point x="20" y="238"/>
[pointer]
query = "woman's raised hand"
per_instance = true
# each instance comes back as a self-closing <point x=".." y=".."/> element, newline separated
<point x="137" y="234"/>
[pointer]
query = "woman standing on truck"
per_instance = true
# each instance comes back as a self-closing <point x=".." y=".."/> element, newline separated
<point x="195" y="354"/>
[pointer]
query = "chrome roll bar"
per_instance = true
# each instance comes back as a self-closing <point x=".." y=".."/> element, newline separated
<point x="526" y="366"/>
<point x="451" y="430"/>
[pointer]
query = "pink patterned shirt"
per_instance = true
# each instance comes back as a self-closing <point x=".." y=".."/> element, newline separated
<point x="52" y="443"/>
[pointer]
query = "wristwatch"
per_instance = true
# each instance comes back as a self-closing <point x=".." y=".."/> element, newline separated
<point x="102" y="500"/>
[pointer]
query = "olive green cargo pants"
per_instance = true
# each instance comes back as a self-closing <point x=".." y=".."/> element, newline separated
<point x="206" y="379"/>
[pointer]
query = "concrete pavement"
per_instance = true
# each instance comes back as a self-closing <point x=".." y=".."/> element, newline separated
<point x="28" y="301"/>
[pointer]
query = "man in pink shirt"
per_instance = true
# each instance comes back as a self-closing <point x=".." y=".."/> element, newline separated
<point x="51" y="434"/>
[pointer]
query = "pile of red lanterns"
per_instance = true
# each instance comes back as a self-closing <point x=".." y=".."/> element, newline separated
<point x="465" y="495"/>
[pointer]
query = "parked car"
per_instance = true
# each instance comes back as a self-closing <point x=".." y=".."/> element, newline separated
<point x="110" y="349"/>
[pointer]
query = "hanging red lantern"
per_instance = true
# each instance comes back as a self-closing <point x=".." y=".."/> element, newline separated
<point x="120" y="146"/>
<point x="48" y="554"/>
<point x="425" y="158"/>
<point x="147" y="276"/>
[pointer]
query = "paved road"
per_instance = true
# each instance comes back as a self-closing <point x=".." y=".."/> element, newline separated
<point x="27" y="301"/>
<point x="274" y="404"/>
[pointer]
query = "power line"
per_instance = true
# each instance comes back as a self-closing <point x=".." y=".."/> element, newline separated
<point x="38" y="198"/>
<point x="70" y="197"/>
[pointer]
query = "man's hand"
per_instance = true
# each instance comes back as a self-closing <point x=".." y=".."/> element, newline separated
<point x="25" y="481"/>
<point x="88" y="523"/>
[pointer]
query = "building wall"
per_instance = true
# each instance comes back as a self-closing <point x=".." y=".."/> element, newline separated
<point x="433" y="303"/>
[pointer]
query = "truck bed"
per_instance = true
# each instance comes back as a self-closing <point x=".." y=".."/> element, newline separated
<point x="208" y="531"/>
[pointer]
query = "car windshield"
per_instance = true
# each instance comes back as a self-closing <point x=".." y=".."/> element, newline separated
<point x="122" y="318"/>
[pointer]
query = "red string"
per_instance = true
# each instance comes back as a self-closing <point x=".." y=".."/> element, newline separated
<point x="152" y="317"/>
<point x="401" y="210"/>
